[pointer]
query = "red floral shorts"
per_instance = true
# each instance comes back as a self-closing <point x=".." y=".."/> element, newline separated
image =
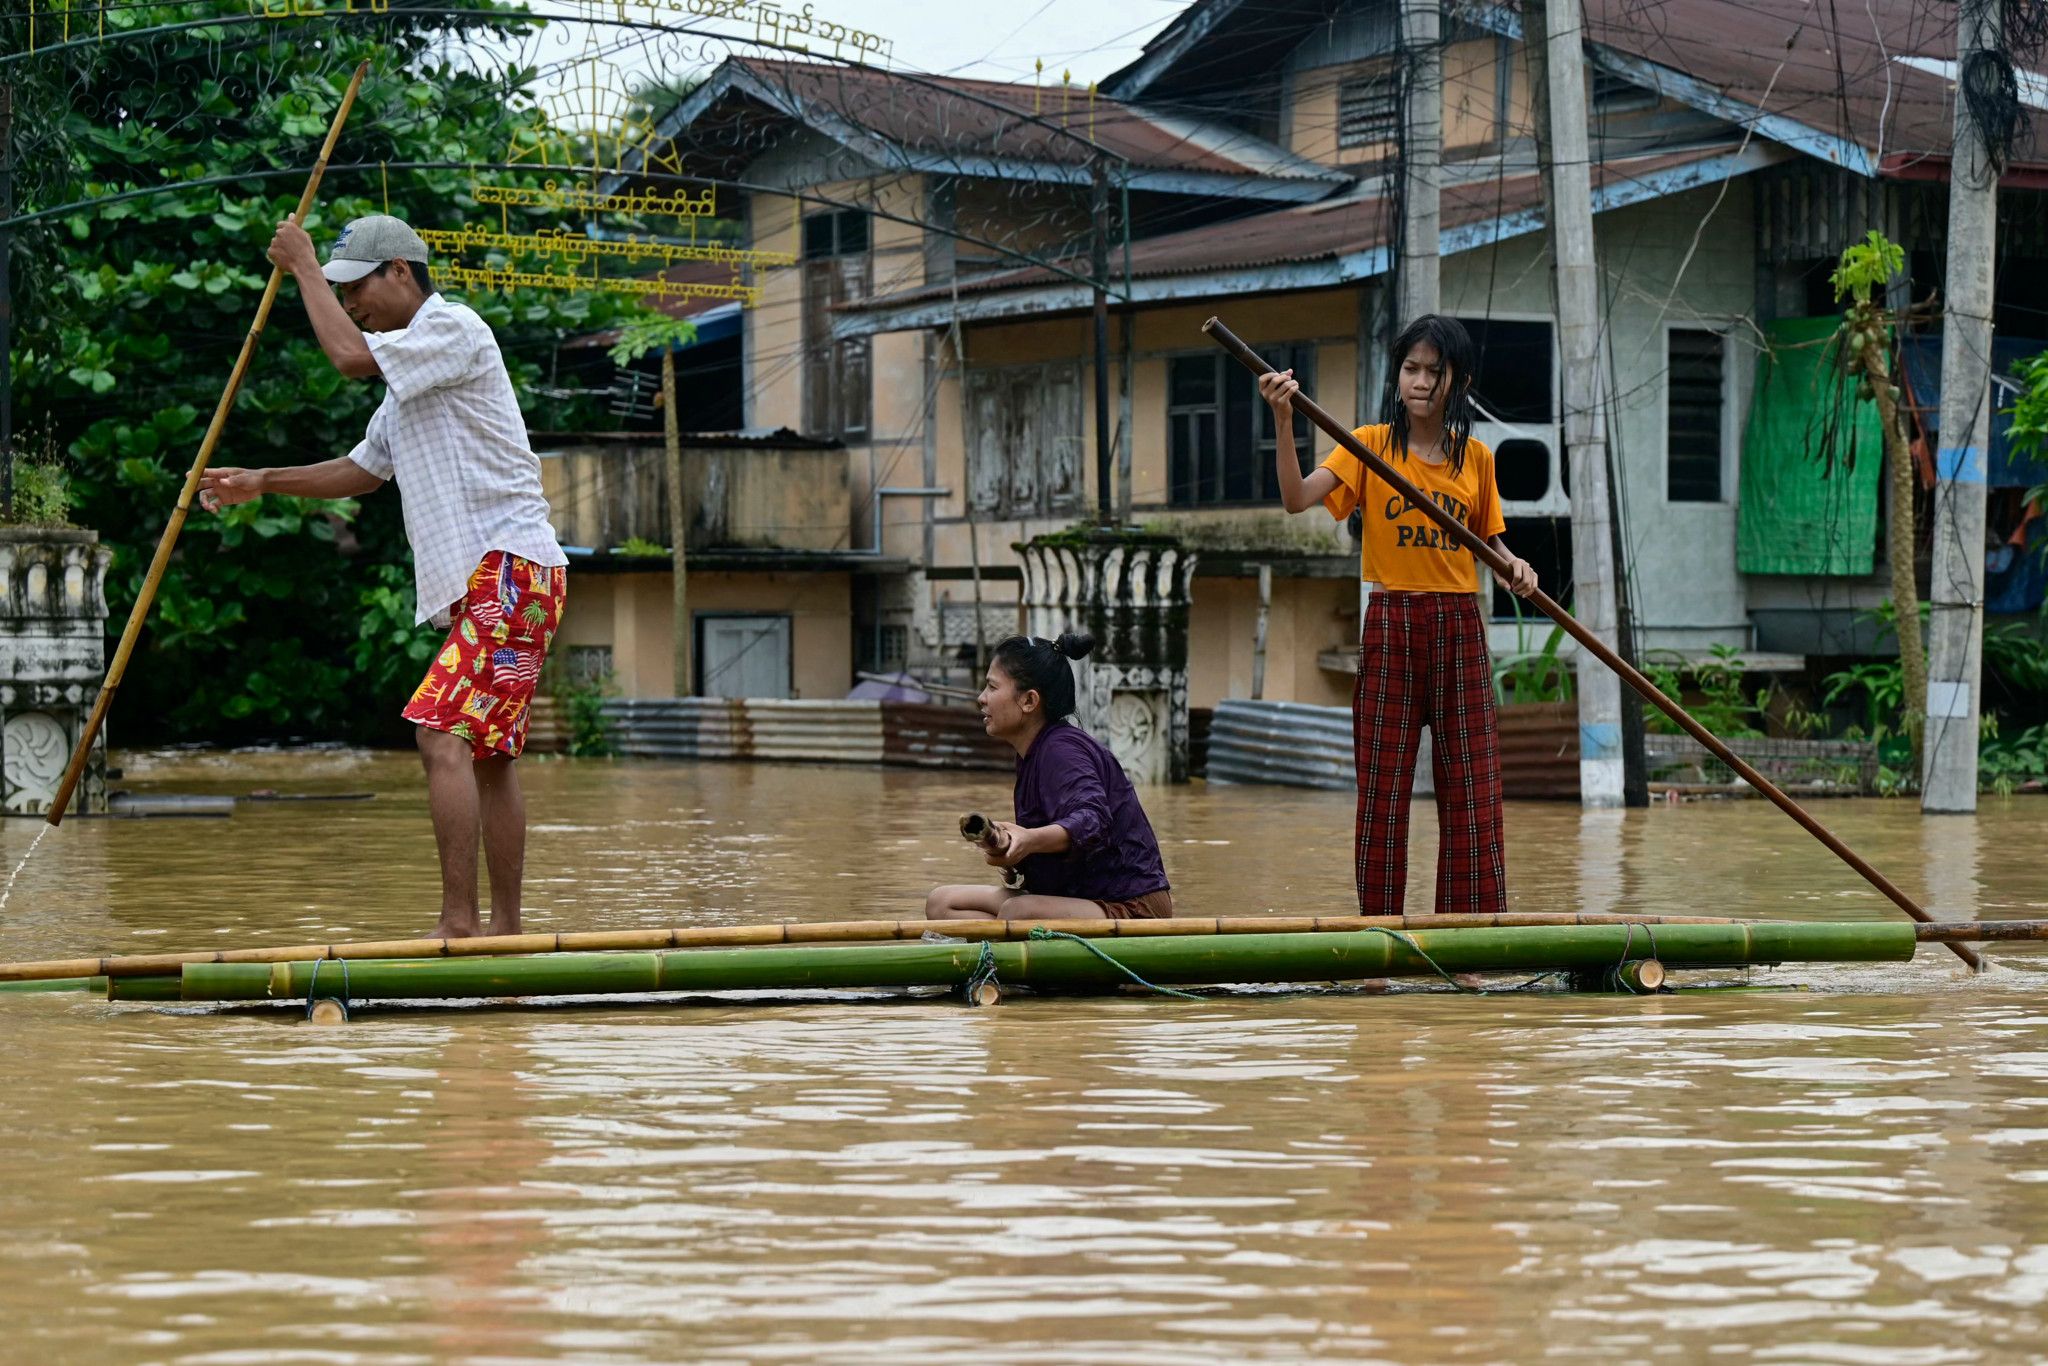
<point x="481" y="683"/>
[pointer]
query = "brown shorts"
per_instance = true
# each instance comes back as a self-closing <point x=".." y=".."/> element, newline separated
<point x="1151" y="906"/>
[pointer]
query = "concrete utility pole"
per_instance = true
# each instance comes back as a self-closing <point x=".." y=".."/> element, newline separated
<point x="1948" y="775"/>
<point x="1422" y="142"/>
<point x="1098" y="266"/>
<point x="1634" y="761"/>
<point x="1570" y="195"/>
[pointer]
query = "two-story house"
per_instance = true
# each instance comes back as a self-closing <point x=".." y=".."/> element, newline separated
<point x="939" y="323"/>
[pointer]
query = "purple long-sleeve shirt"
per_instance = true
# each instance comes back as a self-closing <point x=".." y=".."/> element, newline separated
<point x="1070" y="779"/>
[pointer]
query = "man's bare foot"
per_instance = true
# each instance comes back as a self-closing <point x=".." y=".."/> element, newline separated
<point x="504" y="924"/>
<point x="447" y="928"/>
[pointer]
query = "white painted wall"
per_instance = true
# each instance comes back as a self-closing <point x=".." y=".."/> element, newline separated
<point x="1686" y="260"/>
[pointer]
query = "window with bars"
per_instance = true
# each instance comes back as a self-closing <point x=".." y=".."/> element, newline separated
<point x="837" y="270"/>
<point x="1369" y="111"/>
<point x="1220" y="433"/>
<point x="1695" y="415"/>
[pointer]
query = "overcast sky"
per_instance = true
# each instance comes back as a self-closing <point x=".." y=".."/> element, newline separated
<point x="1001" y="39"/>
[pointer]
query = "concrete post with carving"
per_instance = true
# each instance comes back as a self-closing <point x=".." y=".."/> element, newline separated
<point x="1130" y="591"/>
<point x="53" y="612"/>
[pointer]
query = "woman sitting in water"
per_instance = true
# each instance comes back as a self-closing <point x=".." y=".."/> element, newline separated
<point x="1080" y="838"/>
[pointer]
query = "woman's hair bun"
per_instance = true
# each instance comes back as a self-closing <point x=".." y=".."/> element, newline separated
<point x="1074" y="644"/>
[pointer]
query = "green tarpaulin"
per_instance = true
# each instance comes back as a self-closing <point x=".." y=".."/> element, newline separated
<point x="1811" y="457"/>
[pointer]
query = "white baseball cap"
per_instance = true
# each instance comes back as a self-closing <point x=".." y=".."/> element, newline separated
<point x="367" y="243"/>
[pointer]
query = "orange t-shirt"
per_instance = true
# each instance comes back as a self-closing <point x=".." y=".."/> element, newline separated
<point x="1402" y="548"/>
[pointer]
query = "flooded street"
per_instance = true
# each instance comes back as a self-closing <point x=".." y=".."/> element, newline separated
<point x="1854" y="1172"/>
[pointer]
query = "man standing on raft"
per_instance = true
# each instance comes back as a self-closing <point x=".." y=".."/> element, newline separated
<point x="485" y="560"/>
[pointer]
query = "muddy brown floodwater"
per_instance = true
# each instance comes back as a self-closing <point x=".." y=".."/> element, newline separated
<point x="1854" y="1172"/>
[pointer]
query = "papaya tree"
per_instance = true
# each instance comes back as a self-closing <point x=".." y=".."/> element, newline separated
<point x="1866" y="347"/>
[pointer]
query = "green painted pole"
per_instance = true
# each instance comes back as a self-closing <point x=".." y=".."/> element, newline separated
<point x="1063" y="964"/>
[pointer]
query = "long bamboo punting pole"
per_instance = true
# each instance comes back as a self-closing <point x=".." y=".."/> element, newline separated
<point x="813" y="932"/>
<point x="1190" y="959"/>
<point x="169" y="540"/>
<point x="1591" y="643"/>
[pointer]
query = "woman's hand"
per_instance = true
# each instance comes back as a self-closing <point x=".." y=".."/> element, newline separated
<point x="1278" y="388"/>
<point x="1011" y="847"/>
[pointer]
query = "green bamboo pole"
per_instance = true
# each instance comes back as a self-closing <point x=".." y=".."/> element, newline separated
<point x="146" y="595"/>
<point x="1060" y="963"/>
<point x="93" y="984"/>
<point x="144" y="989"/>
<point x="814" y="932"/>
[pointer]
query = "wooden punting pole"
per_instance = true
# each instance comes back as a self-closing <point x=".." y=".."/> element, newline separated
<point x="1590" y="643"/>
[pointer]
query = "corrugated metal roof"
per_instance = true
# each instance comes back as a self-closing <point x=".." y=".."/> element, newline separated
<point x="1311" y="232"/>
<point x="1045" y="124"/>
<point x="1855" y="73"/>
<point x="1836" y="69"/>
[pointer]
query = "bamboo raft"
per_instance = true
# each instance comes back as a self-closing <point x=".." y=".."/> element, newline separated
<point x="1631" y="953"/>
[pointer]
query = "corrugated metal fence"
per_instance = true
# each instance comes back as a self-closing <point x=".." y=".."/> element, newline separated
<point x="1295" y="745"/>
<point x="829" y="732"/>
<point x="1292" y="744"/>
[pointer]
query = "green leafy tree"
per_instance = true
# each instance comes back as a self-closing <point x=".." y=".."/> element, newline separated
<point x="281" y="617"/>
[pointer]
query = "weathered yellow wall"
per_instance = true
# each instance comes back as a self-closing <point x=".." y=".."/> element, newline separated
<point x="1311" y="121"/>
<point x="899" y="381"/>
<point x="892" y="452"/>
<point x="1471" y="96"/>
<point x="1307" y="617"/>
<point x="1470" y="105"/>
<point x="633" y="613"/>
<point x="775" y="326"/>
<point x="754" y="498"/>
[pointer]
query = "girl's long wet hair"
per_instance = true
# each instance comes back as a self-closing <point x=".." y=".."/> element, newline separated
<point x="1460" y="361"/>
<point x="1045" y="667"/>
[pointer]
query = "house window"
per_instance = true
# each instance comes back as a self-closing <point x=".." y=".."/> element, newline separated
<point x="1025" y="452"/>
<point x="1695" y="410"/>
<point x="1517" y="378"/>
<point x="589" y="666"/>
<point x="837" y="270"/>
<point x="1369" y="110"/>
<point x="1220" y="433"/>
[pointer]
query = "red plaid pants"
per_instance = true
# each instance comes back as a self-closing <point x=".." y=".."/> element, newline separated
<point x="1422" y="661"/>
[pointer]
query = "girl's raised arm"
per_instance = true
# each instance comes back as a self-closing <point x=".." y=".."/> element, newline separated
<point x="1298" y="492"/>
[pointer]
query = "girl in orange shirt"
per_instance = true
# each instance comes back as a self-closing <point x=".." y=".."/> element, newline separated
<point x="1422" y="659"/>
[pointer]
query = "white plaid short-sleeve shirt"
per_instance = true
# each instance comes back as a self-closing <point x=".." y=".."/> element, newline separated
<point x="449" y="431"/>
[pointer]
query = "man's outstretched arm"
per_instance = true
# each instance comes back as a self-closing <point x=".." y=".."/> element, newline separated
<point x="224" y="485"/>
